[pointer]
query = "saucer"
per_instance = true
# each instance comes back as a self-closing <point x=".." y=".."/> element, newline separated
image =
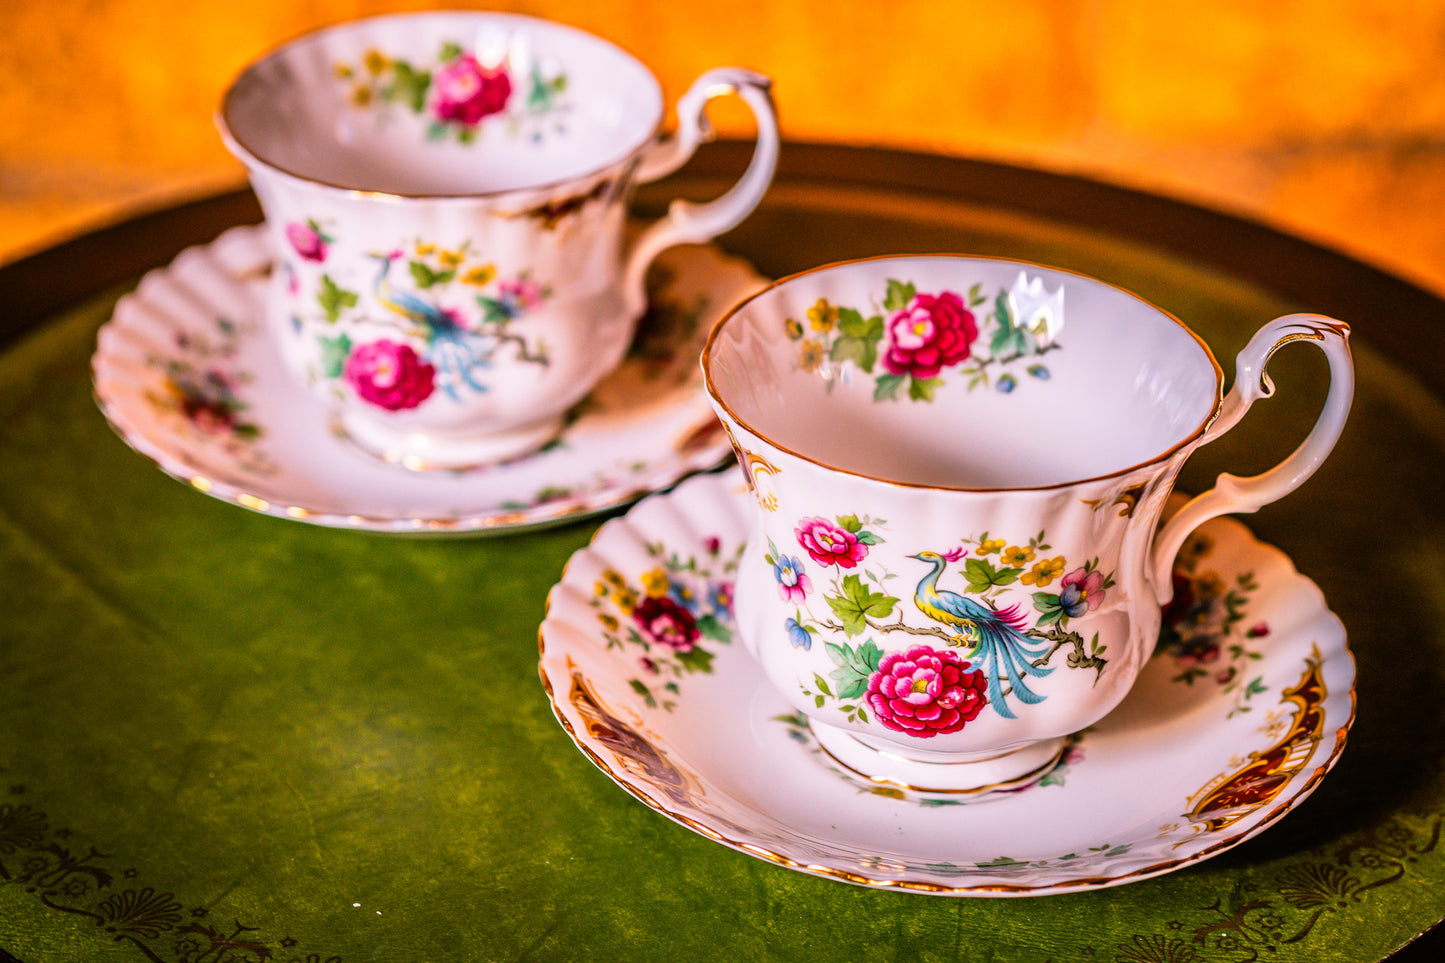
<point x="1240" y="713"/>
<point x="186" y="376"/>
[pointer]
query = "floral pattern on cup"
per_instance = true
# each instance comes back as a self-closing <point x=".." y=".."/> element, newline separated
<point x="308" y="240"/>
<point x="389" y="375"/>
<point x="924" y="691"/>
<point x="1207" y="631"/>
<point x="450" y="312"/>
<point x="910" y="339"/>
<point x="458" y="91"/>
<point x="670" y="616"/>
<point x="990" y="651"/>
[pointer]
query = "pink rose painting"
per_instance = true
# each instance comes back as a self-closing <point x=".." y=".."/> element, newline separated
<point x="925" y="692"/>
<point x="664" y="622"/>
<point x="932" y="333"/>
<point x="454" y="91"/>
<point x="466" y="91"/>
<point x="830" y="544"/>
<point x="307" y="240"/>
<point x="914" y="344"/>
<point x="389" y="375"/>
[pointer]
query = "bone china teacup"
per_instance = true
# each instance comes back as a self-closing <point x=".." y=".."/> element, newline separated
<point x="447" y="196"/>
<point x="959" y="466"/>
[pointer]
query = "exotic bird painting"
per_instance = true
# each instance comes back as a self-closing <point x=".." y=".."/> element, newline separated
<point x="993" y="640"/>
<point x="459" y="353"/>
<point x="992" y="654"/>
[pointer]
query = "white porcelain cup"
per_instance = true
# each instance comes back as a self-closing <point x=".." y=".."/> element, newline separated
<point x="447" y="195"/>
<point x="959" y="467"/>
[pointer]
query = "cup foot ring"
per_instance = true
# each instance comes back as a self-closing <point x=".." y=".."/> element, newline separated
<point x="952" y="774"/>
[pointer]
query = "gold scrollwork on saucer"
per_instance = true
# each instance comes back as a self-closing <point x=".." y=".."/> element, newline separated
<point x="630" y="748"/>
<point x="1234" y="795"/>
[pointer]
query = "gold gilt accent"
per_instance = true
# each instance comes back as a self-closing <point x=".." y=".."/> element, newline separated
<point x="1233" y="796"/>
<point x="633" y="753"/>
<point x="756" y="470"/>
<point x="1311" y="332"/>
<point x="636" y="756"/>
<point x="1127" y="500"/>
<point x="553" y="213"/>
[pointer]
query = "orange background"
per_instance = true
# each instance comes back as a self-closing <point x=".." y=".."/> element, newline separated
<point x="1324" y="118"/>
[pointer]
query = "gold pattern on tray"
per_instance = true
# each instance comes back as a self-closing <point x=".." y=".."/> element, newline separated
<point x="68" y="874"/>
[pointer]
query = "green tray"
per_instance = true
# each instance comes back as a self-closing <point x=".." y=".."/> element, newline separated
<point x="231" y="737"/>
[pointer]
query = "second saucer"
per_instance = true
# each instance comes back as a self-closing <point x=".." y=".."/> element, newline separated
<point x="186" y="378"/>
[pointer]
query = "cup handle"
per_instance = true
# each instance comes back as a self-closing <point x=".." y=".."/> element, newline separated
<point x="1252" y="382"/>
<point x="687" y="223"/>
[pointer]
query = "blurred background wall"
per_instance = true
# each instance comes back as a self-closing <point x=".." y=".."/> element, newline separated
<point x="1322" y="117"/>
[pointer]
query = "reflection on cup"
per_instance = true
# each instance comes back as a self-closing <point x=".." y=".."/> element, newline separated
<point x="959" y="466"/>
<point x="447" y="195"/>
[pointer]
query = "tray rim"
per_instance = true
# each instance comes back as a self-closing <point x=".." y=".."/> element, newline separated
<point x="1321" y="278"/>
<point x="40" y="285"/>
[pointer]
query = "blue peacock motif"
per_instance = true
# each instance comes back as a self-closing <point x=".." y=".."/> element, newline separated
<point x="993" y="640"/>
<point x="989" y="652"/>
<point x="457" y="354"/>
<point x="454" y="317"/>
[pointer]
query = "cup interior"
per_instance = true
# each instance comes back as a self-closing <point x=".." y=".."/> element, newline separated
<point x="442" y="104"/>
<point x="959" y="372"/>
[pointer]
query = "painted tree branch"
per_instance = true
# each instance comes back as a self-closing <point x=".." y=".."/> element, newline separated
<point x="1078" y="659"/>
<point x="933" y="630"/>
<point x="1016" y="356"/>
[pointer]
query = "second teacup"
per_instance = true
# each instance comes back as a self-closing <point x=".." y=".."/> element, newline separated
<point x="447" y="195"/>
<point x="958" y="467"/>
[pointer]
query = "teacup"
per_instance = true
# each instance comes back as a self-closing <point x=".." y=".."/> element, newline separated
<point x="447" y="196"/>
<point x="959" y="466"/>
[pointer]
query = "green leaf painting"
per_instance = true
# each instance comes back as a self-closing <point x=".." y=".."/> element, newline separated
<point x="858" y="603"/>
<point x="334" y="299"/>
<point x="854" y="666"/>
<point x="857" y="339"/>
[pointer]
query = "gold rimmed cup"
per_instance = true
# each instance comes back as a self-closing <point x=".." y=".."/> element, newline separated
<point x="958" y="468"/>
<point x="447" y="198"/>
